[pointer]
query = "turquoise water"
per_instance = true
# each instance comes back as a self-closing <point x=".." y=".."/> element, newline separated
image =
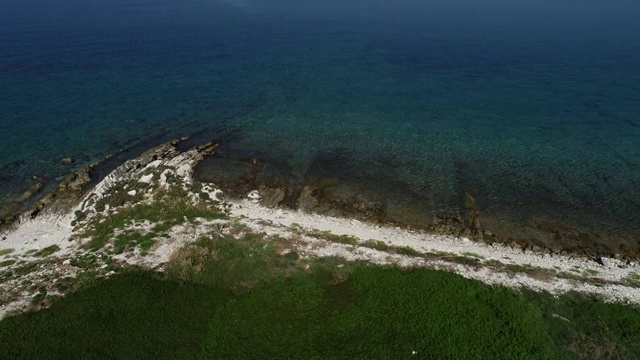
<point x="531" y="106"/>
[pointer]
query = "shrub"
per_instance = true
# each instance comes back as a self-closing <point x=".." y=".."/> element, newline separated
<point x="47" y="251"/>
<point x="5" y="251"/>
<point x="407" y="250"/>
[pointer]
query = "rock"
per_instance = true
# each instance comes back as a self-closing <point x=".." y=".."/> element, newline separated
<point x="146" y="179"/>
<point x="132" y="193"/>
<point x="514" y="245"/>
<point x="306" y="201"/>
<point x="254" y="196"/>
<point x="536" y="249"/>
<point x="272" y="197"/>
<point x="34" y="189"/>
<point x="459" y="218"/>
<point x="67" y="161"/>
<point x="77" y="180"/>
<point x="208" y="148"/>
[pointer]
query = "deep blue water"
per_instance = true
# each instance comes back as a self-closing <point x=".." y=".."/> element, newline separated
<point x="531" y="106"/>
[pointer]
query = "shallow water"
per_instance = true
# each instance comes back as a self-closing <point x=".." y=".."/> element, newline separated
<point x="530" y="106"/>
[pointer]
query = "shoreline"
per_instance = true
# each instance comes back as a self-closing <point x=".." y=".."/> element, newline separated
<point x="52" y="241"/>
<point x="324" y="193"/>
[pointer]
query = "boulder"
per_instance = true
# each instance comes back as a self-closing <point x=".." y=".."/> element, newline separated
<point x="306" y="201"/>
<point x="271" y="197"/>
<point x="254" y="196"/>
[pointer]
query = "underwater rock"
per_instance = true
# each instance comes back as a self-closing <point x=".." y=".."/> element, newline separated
<point x="78" y="179"/>
<point x="34" y="189"/>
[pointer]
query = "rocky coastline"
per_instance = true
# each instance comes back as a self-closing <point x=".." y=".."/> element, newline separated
<point x="324" y="191"/>
<point x="89" y="228"/>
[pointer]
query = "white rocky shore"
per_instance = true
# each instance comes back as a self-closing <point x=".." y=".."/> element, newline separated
<point x="37" y="254"/>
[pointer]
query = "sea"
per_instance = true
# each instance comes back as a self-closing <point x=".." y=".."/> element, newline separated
<point x="532" y="107"/>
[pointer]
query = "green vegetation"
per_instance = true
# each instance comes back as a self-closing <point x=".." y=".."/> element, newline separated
<point x="591" y="272"/>
<point x="246" y="296"/>
<point x="5" y="251"/>
<point x="473" y="255"/>
<point x="168" y="209"/>
<point x="329" y="236"/>
<point x="133" y="316"/>
<point x="633" y="279"/>
<point x="7" y="262"/>
<point x="130" y="239"/>
<point x="407" y="250"/>
<point x="493" y="263"/>
<point x="25" y="268"/>
<point x="42" y="293"/>
<point x="47" y="251"/>
<point x="238" y="263"/>
<point x="118" y="195"/>
<point x="85" y="261"/>
<point x="376" y="244"/>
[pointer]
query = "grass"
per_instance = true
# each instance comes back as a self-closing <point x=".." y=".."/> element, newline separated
<point x="6" y="251"/>
<point x="131" y="239"/>
<point x="239" y="263"/>
<point x="329" y="236"/>
<point x="473" y="255"/>
<point x="133" y="316"/>
<point x="243" y="296"/>
<point x="47" y="251"/>
<point x="407" y="250"/>
<point x="633" y="279"/>
<point x="493" y="263"/>
<point x="117" y="196"/>
<point x="9" y="262"/>
<point x="591" y="272"/>
<point x="376" y="244"/>
<point x="334" y="310"/>
<point x="85" y="261"/>
<point x="239" y="294"/>
<point x="169" y="209"/>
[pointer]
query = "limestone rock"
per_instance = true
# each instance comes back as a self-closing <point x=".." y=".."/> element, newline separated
<point x="271" y="197"/>
<point x="306" y="201"/>
<point x="34" y="189"/>
<point x="207" y="148"/>
<point x="254" y="196"/>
